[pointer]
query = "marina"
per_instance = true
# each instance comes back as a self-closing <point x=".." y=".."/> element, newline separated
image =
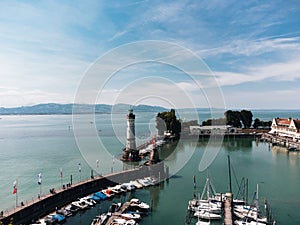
<point x="270" y="166"/>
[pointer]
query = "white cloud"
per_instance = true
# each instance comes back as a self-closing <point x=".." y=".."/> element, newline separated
<point x="244" y="47"/>
<point x="262" y="99"/>
<point x="280" y="71"/>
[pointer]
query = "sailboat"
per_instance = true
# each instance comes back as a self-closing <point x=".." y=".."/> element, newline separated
<point x="206" y="207"/>
<point x="249" y="214"/>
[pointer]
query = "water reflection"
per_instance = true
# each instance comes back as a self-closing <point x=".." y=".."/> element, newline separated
<point x="293" y="157"/>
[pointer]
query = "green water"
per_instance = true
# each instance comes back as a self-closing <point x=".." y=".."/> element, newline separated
<point x="34" y="144"/>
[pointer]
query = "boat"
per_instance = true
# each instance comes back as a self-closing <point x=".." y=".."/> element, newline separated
<point x="100" y="220"/>
<point x="81" y="205"/>
<point x="123" y="222"/>
<point x="72" y="208"/>
<point x="145" y="182"/>
<point x="114" y="207"/>
<point x="118" y="189"/>
<point x="95" y="198"/>
<point x="250" y="213"/>
<point x="206" y="202"/>
<point x="58" y="218"/>
<point x="252" y="222"/>
<point x="100" y="195"/>
<point x="39" y="222"/>
<point x="138" y="205"/>
<point x="136" y="184"/>
<point x="292" y="149"/>
<point x="131" y="215"/>
<point x="152" y="181"/>
<point x="207" y="215"/>
<point x="128" y="186"/>
<point x="201" y="222"/>
<point x="65" y="212"/>
<point x="108" y="192"/>
<point x="88" y="201"/>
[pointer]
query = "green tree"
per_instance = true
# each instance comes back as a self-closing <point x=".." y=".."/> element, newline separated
<point x="233" y="118"/>
<point x="167" y="121"/>
<point x="256" y="123"/>
<point x="246" y="117"/>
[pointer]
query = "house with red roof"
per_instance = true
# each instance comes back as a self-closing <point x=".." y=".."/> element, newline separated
<point x="286" y="127"/>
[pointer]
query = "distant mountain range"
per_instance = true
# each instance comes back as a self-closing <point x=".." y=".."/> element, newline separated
<point x="53" y="108"/>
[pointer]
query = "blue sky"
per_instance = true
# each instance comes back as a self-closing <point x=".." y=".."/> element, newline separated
<point x="251" y="47"/>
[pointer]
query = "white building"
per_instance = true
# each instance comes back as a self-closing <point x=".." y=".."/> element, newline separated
<point x="214" y="129"/>
<point x="286" y="128"/>
<point x="130" y="137"/>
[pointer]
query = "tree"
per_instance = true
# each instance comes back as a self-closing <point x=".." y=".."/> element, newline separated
<point x="246" y="117"/>
<point x="233" y="118"/>
<point x="260" y="123"/>
<point x="256" y="123"/>
<point x="167" y="121"/>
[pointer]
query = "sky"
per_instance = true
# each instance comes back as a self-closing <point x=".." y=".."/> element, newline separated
<point x="249" y="49"/>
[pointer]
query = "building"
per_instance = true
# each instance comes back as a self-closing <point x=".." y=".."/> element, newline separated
<point x="130" y="153"/>
<point x="130" y="137"/>
<point x="214" y="129"/>
<point x="286" y="128"/>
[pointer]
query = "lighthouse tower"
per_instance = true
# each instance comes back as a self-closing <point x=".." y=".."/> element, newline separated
<point x="130" y="138"/>
<point x="130" y="153"/>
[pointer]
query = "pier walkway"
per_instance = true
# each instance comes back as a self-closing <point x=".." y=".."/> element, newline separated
<point x="281" y="141"/>
<point x="228" y="212"/>
<point x="47" y="204"/>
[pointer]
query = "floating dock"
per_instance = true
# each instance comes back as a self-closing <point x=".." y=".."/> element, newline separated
<point x="228" y="215"/>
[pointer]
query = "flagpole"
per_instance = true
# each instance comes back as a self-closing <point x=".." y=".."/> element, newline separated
<point x="79" y="164"/>
<point x="40" y="183"/>
<point x="17" y="193"/>
<point x="61" y="177"/>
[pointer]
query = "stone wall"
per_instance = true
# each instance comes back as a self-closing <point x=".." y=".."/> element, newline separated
<point x="48" y="204"/>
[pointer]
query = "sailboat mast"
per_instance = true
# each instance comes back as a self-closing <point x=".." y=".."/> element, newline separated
<point x="247" y="191"/>
<point x="257" y="204"/>
<point x="229" y="172"/>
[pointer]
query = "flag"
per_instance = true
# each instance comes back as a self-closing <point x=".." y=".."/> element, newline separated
<point x="15" y="187"/>
<point x="79" y="164"/>
<point x="153" y="141"/>
<point x="61" y="174"/>
<point x="39" y="179"/>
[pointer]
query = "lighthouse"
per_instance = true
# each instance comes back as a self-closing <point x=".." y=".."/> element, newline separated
<point x="130" y="138"/>
<point x="130" y="153"/>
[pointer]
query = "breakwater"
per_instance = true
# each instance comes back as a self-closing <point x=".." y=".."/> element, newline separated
<point x="47" y="204"/>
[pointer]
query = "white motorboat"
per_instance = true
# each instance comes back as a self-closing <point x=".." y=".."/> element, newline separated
<point x="81" y="205"/>
<point x="100" y="220"/>
<point x="200" y="222"/>
<point x="136" y="184"/>
<point x="241" y="222"/>
<point x="207" y="215"/>
<point x="133" y="216"/>
<point x="137" y="203"/>
<point x="144" y="182"/>
<point x="114" y="207"/>
<point x="88" y="201"/>
<point x="123" y="222"/>
<point x="128" y="186"/>
<point x="40" y="222"/>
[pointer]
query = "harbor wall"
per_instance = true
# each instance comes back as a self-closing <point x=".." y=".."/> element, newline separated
<point x="47" y="204"/>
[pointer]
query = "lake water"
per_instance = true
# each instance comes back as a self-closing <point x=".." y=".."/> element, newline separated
<point x="43" y="144"/>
